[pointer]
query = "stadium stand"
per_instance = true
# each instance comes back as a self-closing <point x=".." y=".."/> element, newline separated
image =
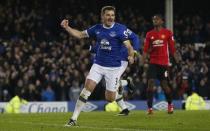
<point x="37" y="56"/>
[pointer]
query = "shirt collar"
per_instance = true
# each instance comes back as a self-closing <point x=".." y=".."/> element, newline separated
<point x="108" y="27"/>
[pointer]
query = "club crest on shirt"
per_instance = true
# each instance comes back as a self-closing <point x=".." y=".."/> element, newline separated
<point x="152" y="37"/>
<point x="112" y="33"/>
<point x="163" y="36"/>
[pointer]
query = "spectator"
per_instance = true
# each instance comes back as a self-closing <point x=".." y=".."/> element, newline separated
<point x="48" y="94"/>
<point x="195" y="102"/>
<point x="74" y="91"/>
<point x="32" y="47"/>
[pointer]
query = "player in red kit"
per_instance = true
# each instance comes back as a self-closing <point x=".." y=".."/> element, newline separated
<point x="158" y="45"/>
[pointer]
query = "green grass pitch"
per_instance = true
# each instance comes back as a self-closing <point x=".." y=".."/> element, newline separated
<point x="104" y="121"/>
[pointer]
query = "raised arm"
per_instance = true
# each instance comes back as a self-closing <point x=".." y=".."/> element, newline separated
<point x="73" y="32"/>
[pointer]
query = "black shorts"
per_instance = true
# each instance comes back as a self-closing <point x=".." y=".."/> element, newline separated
<point x="157" y="72"/>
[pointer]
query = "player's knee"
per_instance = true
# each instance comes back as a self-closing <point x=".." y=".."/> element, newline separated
<point x="164" y="84"/>
<point x="151" y="84"/>
<point x="90" y="85"/>
<point x="150" y="90"/>
<point x="167" y="89"/>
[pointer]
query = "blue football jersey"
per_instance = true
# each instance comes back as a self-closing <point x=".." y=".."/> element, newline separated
<point x="135" y="41"/>
<point x="110" y="42"/>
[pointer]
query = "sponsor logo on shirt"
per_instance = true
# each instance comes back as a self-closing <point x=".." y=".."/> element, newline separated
<point x="157" y="43"/>
<point x="105" y="45"/>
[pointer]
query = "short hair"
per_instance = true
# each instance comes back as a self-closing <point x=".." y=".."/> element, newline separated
<point x="103" y="9"/>
<point x="159" y="16"/>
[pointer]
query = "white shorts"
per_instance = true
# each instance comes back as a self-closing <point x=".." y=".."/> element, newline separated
<point x="124" y="65"/>
<point x="111" y="74"/>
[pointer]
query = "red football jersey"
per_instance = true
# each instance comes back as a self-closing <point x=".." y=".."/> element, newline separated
<point x="158" y="44"/>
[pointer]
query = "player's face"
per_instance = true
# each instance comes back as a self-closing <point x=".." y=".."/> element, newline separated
<point x="157" y="21"/>
<point x="108" y="18"/>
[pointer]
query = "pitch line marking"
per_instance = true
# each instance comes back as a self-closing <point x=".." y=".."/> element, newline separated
<point x="84" y="127"/>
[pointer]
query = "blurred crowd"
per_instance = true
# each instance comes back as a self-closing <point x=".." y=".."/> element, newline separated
<point x="39" y="60"/>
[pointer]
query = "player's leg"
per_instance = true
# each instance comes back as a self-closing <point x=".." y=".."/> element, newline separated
<point x="164" y="77"/>
<point x="150" y="94"/>
<point x="151" y="75"/>
<point x="119" y="98"/>
<point x="85" y="93"/>
<point x="128" y="82"/>
<point x="168" y="94"/>
<point x="91" y="81"/>
<point x="112" y="77"/>
<point x="110" y="96"/>
<point x="120" y="101"/>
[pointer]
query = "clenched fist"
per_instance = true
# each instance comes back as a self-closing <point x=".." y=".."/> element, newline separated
<point x="131" y="59"/>
<point x="65" y="23"/>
